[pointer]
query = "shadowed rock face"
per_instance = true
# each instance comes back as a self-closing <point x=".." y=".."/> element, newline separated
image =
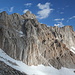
<point x="7" y="70"/>
<point x="22" y="37"/>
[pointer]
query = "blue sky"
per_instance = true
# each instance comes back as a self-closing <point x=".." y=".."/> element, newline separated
<point x="50" y="12"/>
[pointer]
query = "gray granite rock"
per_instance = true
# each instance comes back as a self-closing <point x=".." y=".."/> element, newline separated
<point x="23" y="38"/>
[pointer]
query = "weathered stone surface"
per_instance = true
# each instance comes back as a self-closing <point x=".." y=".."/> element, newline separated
<point x="29" y="15"/>
<point x="7" y="70"/>
<point x="22" y="37"/>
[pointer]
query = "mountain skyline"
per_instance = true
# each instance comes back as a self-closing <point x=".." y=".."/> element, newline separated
<point x="50" y="12"/>
<point x="28" y="47"/>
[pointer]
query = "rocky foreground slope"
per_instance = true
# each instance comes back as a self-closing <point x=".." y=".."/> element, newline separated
<point x="7" y="70"/>
<point x="23" y="38"/>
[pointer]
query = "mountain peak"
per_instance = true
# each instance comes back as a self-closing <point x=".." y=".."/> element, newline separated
<point x="29" y="15"/>
<point x="28" y="12"/>
<point x="25" y="39"/>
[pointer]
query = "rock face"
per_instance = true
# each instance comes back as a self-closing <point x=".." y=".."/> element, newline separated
<point x="23" y="38"/>
<point x="7" y="70"/>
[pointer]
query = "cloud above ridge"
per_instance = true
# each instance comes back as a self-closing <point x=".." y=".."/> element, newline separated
<point x="44" y="11"/>
<point x="28" y="4"/>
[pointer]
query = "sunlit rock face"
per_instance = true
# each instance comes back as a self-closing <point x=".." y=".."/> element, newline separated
<point x="22" y="37"/>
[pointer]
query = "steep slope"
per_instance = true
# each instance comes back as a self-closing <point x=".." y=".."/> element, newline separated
<point x="10" y="66"/>
<point x="23" y="38"/>
<point x="7" y="70"/>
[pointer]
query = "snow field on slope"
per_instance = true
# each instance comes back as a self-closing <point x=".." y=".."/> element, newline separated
<point x="33" y="70"/>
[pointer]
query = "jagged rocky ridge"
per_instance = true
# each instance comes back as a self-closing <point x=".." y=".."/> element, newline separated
<point x="23" y="38"/>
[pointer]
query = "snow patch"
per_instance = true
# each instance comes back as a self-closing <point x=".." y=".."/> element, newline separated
<point x="20" y="33"/>
<point x="72" y="50"/>
<point x="33" y="70"/>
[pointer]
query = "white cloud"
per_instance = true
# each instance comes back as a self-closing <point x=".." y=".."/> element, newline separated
<point x="11" y="9"/>
<point x="25" y="10"/>
<point x="59" y="19"/>
<point x="61" y="12"/>
<point x="7" y="9"/>
<point x="43" y="13"/>
<point x="45" y="10"/>
<point x="73" y="17"/>
<point x="43" y="6"/>
<point x="60" y="24"/>
<point x="28" y="4"/>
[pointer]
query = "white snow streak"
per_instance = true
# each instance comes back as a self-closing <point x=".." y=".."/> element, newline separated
<point x="72" y="50"/>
